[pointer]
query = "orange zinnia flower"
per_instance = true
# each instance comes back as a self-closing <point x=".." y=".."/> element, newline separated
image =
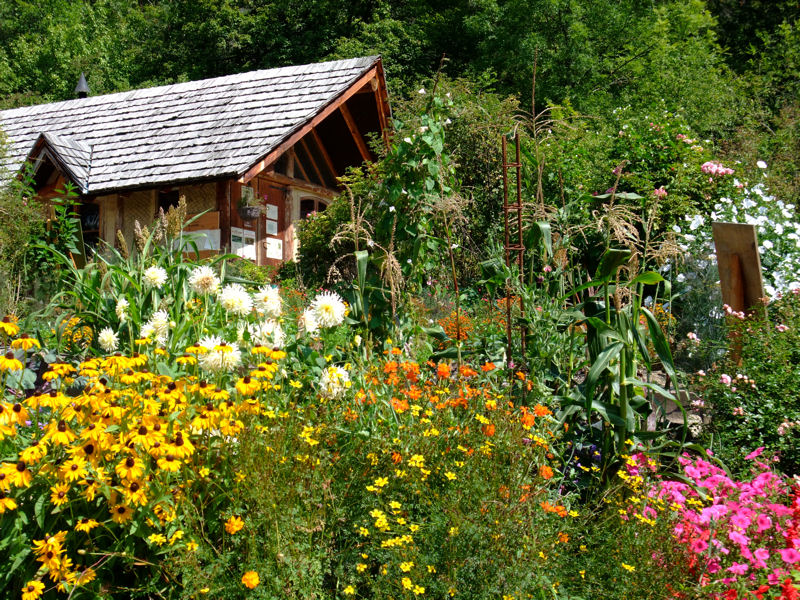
<point x="443" y="370"/>
<point x="488" y="429"/>
<point x="399" y="405"/>
<point x="546" y="472"/>
<point x="250" y="579"/>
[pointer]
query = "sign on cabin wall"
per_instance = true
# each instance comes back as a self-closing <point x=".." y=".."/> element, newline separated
<point x="274" y="248"/>
<point x="243" y="243"/>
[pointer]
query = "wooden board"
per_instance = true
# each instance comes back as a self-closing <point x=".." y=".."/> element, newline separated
<point x="739" y="265"/>
<point x="209" y="220"/>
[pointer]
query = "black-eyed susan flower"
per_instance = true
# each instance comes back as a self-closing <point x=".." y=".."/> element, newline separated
<point x="121" y="513"/>
<point x="73" y="469"/>
<point x="85" y="576"/>
<point x="170" y="463"/>
<point x="59" y="433"/>
<point x="6" y="502"/>
<point x="32" y="590"/>
<point x="9" y="326"/>
<point x="9" y="363"/>
<point x="131" y="468"/>
<point x="247" y="386"/>
<point x="58" y="494"/>
<point x="25" y="342"/>
<point x="86" y="525"/>
<point x="135" y="493"/>
<point x="17" y="474"/>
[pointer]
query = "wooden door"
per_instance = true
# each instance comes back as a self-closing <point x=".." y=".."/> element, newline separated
<point x="272" y="226"/>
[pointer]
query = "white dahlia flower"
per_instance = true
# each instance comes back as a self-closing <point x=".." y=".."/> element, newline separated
<point x="220" y="355"/>
<point x="235" y="299"/>
<point x="267" y="300"/>
<point x="203" y="280"/>
<point x="155" y="277"/>
<point x="108" y="340"/>
<point x="122" y="309"/>
<point x="308" y="322"/>
<point x="328" y="309"/>
<point x="268" y="333"/>
<point x="333" y="382"/>
<point x="157" y="328"/>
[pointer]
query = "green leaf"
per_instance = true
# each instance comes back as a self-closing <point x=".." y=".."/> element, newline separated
<point x="647" y="278"/>
<point x="660" y="343"/>
<point x="612" y="260"/>
<point x="597" y="369"/>
<point x="362" y="257"/>
<point x="38" y="511"/>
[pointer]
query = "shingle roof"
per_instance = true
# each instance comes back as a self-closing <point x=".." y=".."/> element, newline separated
<point x="73" y="156"/>
<point x="187" y="131"/>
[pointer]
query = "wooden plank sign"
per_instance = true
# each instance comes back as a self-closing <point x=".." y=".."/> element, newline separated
<point x="739" y="265"/>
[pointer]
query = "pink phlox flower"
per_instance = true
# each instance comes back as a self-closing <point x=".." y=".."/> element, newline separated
<point x="741" y="520"/>
<point x="761" y="555"/>
<point x="789" y="555"/>
<point x="755" y="453"/>
<point x="737" y="537"/>
<point x="763" y="522"/>
<point x="713" y="566"/>
<point x="698" y="546"/>
<point x="713" y="513"/>
<point x="738" y="568"/>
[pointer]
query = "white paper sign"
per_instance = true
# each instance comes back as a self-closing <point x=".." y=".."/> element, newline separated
<point x="272" y="227"/>
<point x="274" y="248"/>
<point x="206" y="239"/>
<point x="272" y="212"/>
<point x="237" y="239"/>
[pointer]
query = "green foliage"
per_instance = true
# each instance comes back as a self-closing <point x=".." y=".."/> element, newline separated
<point x="21" y="220"/>
<point x="317" y="253"/>
<point x="747" y="402"/>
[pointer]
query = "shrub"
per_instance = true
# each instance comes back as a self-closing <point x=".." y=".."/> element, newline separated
<point x="750" y="404"/>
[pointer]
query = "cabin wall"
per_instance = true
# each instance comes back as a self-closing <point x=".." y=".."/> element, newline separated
<point x="199" y="197"/>
<point x="137" y="206"/>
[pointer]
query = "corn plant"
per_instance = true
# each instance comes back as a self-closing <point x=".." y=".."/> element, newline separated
<point x="614" y="400"/>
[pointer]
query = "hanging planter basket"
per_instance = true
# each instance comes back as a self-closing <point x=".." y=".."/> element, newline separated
<point x="249" y="213"/>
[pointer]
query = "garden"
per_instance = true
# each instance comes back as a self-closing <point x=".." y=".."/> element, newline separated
<point x="361" y="424"/>
<point x="419" y="407"/>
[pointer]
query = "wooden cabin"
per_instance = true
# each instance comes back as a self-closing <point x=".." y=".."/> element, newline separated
<point x="279" y="137"/>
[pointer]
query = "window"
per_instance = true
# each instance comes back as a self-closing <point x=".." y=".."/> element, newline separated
<point x="311" y="205"/>
<point x="167" y="198"/>
<point x="89" y="215"/>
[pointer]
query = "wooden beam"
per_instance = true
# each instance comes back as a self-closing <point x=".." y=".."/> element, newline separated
<point x="299" y="165"/>
<point x="382" y="121"/>
<point x="325" y="156"/>
<point x="351" y="125"/>
<point x="313" y="162"/>
<point x="300" y="184"/>
<point x="316" y="120"/>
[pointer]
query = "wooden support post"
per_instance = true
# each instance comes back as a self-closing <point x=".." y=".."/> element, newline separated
<point x="325" y="156"/>
<point x="300" y="166"/>
<point x="313" y="162"/>
<point x="351" y="125"/>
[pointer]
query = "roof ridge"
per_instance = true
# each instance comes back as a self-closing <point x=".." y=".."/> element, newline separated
<point x="343" y="63"/>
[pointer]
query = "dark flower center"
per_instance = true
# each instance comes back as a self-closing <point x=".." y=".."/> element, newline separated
<point x="129" y="462"/>
<point x="21" y="466"/>
<point x="62" y="426"/>
<point x="142" y="430"/>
